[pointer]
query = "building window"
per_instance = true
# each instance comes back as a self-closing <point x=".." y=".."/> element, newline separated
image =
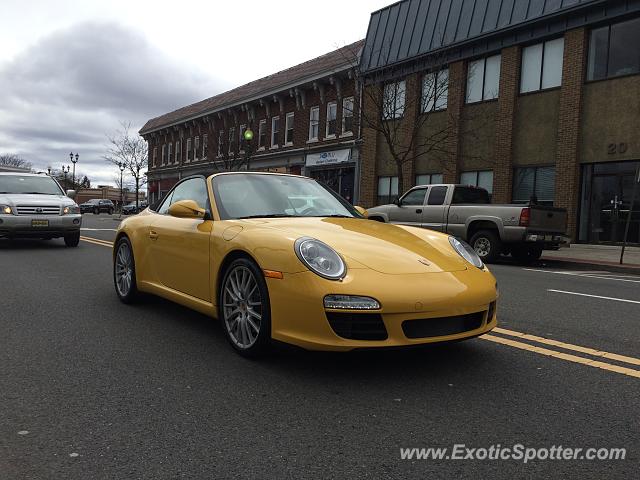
<point x="332" y="115"/>
<point x="205" y="146"/>
<point x="155" y="156"/>
<point x="241" y="141"/>
<point x="347" y="116"/>
<point x="232" y="140"/>
<point x="542" y="66"/>
<point x="387" y="189"/>
<point x="536" y="184"/>
<point x="314" y="122"/>
<point x="393" y="100"/>
<point x="428" y="178"/>
<point x="478" y="178"/>
<point x="275" y="130"/>
<point x="170" y="154"/>
<point x="178" y="152"/>
<point x="262" y="134"/>
<point x="435" y="91"/>
<point x="613" y="50"/>
<point x="220" y="143"/>
<point x="196" y="147"/>
<point x="189" y="152"/>
<point x="483" y="79"/>
<point x="288" y="129"/>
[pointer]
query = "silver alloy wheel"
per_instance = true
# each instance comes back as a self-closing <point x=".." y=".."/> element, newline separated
<point x="124" y="269"/>
<point x="242" y="306"/>
<point x="482" y="246"/>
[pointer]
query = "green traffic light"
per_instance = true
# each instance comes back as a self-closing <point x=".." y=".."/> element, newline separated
<point x="248" y="135"/>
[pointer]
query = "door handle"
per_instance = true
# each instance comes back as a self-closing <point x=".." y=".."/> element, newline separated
<point x="418" y="210"/>
<point x="153" y="235"/>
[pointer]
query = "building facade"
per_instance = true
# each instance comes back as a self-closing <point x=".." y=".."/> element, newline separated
<point x="302" y="120"/>
<point x="538" y="101"/>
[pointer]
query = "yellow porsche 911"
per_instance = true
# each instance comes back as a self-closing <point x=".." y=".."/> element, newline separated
<point x="283" y="257"/>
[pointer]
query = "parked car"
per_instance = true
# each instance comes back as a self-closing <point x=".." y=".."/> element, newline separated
<point x="98" y="206"/>
<point x="491" y="229"/>
<point x="35" y="206"/>
<point x="283" y="257"/>
<point x="131" y="208"/>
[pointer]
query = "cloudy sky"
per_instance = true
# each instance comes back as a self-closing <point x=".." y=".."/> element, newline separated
<point x="71" y="70"/>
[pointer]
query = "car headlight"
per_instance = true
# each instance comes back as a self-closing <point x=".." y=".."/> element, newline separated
<point x="320" y="258"/>
<point x="70" y="209"/>
<point x="466" y="251"/>
<point x="6" y="210"/>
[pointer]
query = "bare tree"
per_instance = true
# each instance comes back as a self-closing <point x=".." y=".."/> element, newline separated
<point x="131" y="151"/>
<point x="81" y="181"/>
<point x="12" y="160"/>
<point x="236" y="153"/>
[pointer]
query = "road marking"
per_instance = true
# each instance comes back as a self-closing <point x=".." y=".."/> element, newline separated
<point x="569" y="346"/>
<point x="586" y="275"/>
<point x="593" y="296"/>
<point x="563" y="356"/>
<point x="96" y="241"/>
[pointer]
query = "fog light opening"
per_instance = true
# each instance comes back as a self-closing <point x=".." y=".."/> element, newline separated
<point x="351" y="302"/>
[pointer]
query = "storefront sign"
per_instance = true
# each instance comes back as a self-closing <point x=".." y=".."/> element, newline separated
<point x="328" y="158"/>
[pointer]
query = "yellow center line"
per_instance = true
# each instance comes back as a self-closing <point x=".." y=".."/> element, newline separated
<point x="96" y="241"/>
<point x="568" y="346"/>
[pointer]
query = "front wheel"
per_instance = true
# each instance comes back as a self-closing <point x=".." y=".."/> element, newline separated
<point x="487" y="245"/>
<point x="96" y="211"/>
<point x="111" y="211"/>
<point x="124" y="271"/>
<point x="244" y="308"/>
<point x="72" y="239"/>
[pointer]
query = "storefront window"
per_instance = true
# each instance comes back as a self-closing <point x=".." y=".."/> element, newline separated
<point x="536" y="184"/>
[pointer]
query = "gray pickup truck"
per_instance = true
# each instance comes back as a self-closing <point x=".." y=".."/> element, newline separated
<point x="465" y="212"/>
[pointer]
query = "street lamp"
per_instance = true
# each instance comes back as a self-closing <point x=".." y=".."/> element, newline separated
<point x="121" y="167"/>
<point x="74" y="167"/>
<point x="64" y="172"/>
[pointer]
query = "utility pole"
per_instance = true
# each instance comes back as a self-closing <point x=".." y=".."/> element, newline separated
<point x="633" y="199"/>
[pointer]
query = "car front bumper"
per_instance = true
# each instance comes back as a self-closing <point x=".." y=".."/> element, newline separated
<point x="33" y="226"/>
<point x="415" y="309"/>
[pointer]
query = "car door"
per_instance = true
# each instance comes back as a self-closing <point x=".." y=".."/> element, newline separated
<point x="180" y="247"/>
<point x="433" y="213"/>
<point x="409" y="208"/>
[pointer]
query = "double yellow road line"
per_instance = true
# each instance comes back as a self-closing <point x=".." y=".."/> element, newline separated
<point x="523" y="338"/>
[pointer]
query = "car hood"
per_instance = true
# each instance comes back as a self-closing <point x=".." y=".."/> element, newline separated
<point x="386" y="248"/>
<point x="14" y="199"/>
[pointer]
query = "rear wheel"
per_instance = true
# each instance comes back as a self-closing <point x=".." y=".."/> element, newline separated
<point x="244" y="308"/>
<point x="71" y="239"/>
<point x="526" y="254"/>
<point x="487" y="245"/>
<point x="124" y="271"/>
<point x="96" y="211"/>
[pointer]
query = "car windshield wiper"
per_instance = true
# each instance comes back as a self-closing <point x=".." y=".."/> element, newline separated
<point x="267" y="215"/>
<point x="39" y="193"/>
<point x="334" y="215"/>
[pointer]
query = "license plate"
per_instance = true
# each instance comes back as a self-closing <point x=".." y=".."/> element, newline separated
<point x="39" y="223"/>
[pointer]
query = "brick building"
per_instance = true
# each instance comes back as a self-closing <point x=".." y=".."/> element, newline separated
<point x="541" y="102"/>
<point x="302" y="119"/>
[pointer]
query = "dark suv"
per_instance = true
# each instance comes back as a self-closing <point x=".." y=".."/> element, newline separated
<point x="98" y="206"/>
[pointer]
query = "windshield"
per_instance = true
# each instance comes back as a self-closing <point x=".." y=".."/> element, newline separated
<point x="254" y="195"/>
<point x="29" y="184"/>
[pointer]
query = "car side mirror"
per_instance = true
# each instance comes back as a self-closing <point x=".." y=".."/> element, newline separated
<point x="362" y="211"/>
<point x="71" y="193"/>
<point x="186" y="209"/>
<point x="397" y="201"/>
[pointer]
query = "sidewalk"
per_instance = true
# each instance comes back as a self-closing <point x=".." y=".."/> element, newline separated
<point x="595" y="256"/>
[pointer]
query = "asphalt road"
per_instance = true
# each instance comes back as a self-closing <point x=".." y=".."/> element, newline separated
<point x="91" y="388"/>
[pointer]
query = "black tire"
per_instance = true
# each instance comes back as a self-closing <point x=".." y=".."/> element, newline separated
<point x="487" y="245"/>
<point x="71" y="239"/>
<point x="526" y="254"/>
<point x="96" y="211"/>
<point x="245" y="316"/>
<point x="126" y="294"/>
<point x="111" y="211"/>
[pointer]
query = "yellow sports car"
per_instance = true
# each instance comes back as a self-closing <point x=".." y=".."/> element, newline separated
<point x="283" y="257"/>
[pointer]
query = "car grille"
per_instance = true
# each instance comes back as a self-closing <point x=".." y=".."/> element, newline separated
<point x="38" y="210"/>
<point x="438" y="327"/>
<point x="357" y="326"/>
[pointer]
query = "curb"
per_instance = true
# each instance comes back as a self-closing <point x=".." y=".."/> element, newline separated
<point x="578" y="264"/>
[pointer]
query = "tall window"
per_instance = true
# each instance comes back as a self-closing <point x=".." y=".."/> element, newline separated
<point x="387" y="189"/>
<point x="155" y="156"/>
<point x="275" y="131"/>
<point x="205" y="145"/>
<point x="483" y="79"/>
<point x="170" y="154"/>
<point x="478" y="178"/>
<point x="262" y="134"/>
<point x="178" y="152"/>
<point x="196" y="147"/>
<point x="393" y="98"/>
<point x="189" y="152"/>
<point x="288" y="129"/>
<point x="232" y="140"/>
<point x="332" y="115"/>
<point x="534" y="183"/>
<point x="542" y="66"/>
<point x="347" y="116"/>
<point x="614" y="50"/>
<point x="314" y="122"/>
<point x="220" y="145"/>
<point x="428" y="179"/>
<point x="435" y="90"/>
<point x="241" y="141"/>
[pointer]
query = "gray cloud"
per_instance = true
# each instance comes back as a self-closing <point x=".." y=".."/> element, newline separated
<point x="69" y="89"/>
